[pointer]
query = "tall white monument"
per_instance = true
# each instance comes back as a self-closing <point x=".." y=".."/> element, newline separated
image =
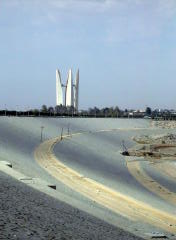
<point x="71" y="91"/>
<point x="59" y="90"/>
<point x="76" y="92"/>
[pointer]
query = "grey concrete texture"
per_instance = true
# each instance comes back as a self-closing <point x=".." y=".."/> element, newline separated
<point x="96" y="155"/>
<point x="160" y="177"/>
<point x="20" y="136"/>
<point x="29" y="214"/>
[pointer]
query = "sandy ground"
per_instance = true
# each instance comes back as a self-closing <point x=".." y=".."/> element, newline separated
<point x="28" y="214"/>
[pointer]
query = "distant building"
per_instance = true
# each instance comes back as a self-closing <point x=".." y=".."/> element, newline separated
<point x="71" y="96"/>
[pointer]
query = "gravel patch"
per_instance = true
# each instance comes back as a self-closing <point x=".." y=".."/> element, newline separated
<point x="28" y="214"/>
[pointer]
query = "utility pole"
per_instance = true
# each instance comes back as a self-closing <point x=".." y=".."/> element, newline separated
<point x="41" y="137"/>
<point x="68" y="129"/>
<point x="61" y="137"/>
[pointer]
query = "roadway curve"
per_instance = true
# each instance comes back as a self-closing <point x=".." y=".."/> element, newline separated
<point x="103" y="195"/>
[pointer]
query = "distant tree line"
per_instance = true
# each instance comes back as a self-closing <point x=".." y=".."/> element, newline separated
<point x="66" y="111"/>
<point x="91" y="112"/>
<point x="95" y="112"/>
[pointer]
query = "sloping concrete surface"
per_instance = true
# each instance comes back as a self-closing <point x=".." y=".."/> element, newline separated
<point x="29" y="214"/>
<point x="97" y="156"/>
<point x="93" y="154"/>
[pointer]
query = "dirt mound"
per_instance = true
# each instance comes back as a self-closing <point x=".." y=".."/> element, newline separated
<point x="164" y="124"/>
<point x="156" y="139"/>
<point x="155" y="146"/>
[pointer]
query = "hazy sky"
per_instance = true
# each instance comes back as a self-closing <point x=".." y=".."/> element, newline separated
<point x="125" y="50"/>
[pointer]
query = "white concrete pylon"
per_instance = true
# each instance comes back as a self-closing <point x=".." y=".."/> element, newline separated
<point x="76" y="92"/>
<point x="59" y="91"/>
<point x="69" y="90"/>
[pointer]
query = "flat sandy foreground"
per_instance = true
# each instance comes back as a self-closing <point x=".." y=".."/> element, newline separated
<point x="98" y="192"/>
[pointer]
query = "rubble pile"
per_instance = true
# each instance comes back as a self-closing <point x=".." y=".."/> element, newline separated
<point x="154" y="146"/>
<point x="156" y="139"/>
<point x="164" y="124"/>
